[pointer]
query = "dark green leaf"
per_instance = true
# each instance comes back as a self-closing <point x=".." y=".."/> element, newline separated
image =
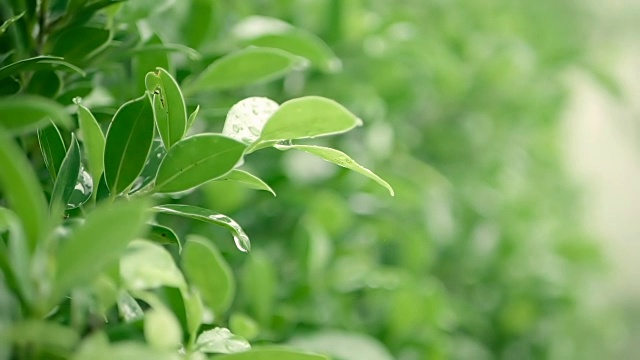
<point x="78" y="44"/>
<point x="128" y="143"/>
<point x="24" y="113"/>
<point x="21" y="189"/>
<point x="339" y="158"/>
<point x="197" y="213"/>
<point x="45" y="83"/>
<point x="52" y="148"/>
<point x="67" y="177"/>
<point x="207" y="271"/>
<point x="93" y="141"/>
<point x="169" y="109"/>
<point x="249" y="180"/>
<point x="271" y="353"/>
<point x="98" y="242"/>
<point x="35" y="63"/>
<point x="247" y="66"/>
<point x="196" y="160"/>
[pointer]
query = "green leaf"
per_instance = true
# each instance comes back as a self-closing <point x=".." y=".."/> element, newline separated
<point x="163" y="235"/>
<point x="306" y="117"/>
<point x="36" y="63"/>
<point x="243" y="325"/>
<point x="15" y="258"/>
<point x="150" y="169"/>
<point x="128" y="143"/>
<point x="342" y="345"/>
<point x="249" y="180"/>
<point x="44" y="335"/>
<point x="146" y="61"/>
<point x="244" y="67"/>
<point x="46" y="83"/>
<point x="246" y="118"/>
<point x="169" y="109"/>
<point x="52" y="147"/>
<point x="128" y="307"/>
<point x="271" y="353"/>
<point x="93" y="141"/>
<point x="82" y="191"/>
<point x="221" y="341"/>
<point x="5" y="25"/>
<point x="67" y="177"/>
<point x="339" y="158"/>
<point x="259" y="282"/>
<point x="207" y="271"/>
<point x="98" y="242"/>
<point x="193" y="308"/>
<point x="123" y="350"/>
<point x="21" y="190"/>
<point x="197" y="213"/>
<point x="147" y="265"/>
<point x="79" y="43"/>
<point x="192" y="118"/>
<point x="25" y="113"/>
<point x="162" y="329"/>
<point x="197" y="160"/>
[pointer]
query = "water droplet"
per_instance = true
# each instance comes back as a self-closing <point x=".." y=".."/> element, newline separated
<point x="82" y="191"/>
<point x="236" y="128"/>
<point x="254" y="131"/>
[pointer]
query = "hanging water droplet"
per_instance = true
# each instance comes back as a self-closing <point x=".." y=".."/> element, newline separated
<point x="242" y="243"/>
<point x="82" y="191"/>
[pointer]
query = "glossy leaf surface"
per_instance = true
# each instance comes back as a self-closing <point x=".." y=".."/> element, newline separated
<point x="52" y="148"/>
<point x="35" y="63"/>
<point x="67" y="177"/>
<point x="249" y="180"/>
<point x="169" y="109"/>
<point x="93" y="141"/>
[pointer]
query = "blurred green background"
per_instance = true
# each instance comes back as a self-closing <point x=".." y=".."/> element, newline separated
<point x="506" y="127"/>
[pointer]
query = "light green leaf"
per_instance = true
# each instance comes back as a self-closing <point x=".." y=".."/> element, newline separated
<point x="342" y="345"/>
<point x="306" y="117"/>
<point x="44" y="335"/>
<point x="194" y="309"/>
<point x="248" y="180"/>
<point x="259" y="281"/>
<point x="98" y="242"/>
<point x="67" y="178"/>
<point x="5" y="25"/>
<point x="197" y="160"/>
<point x="52" y="147"/>
<point x="271" y="353"/>
<point x="163" y="235"/>
<point x="162" y="329"/>
<point x="128" y="143"/>
<point x="36" y="63"/>
<point x="146" y="61"/>
<point x="128" y="307"/>
<point x="246" y="66"/>
<point x="25" y="113"/>
<point x="146" y="265"/>
<point x="123" y="350"/>
<point x="15" y="260"/>
<point x="339" y="158"/>
<point x="21" y="190"/>
<point x="197" y="213"/>
<point x="93" y="141"/>
<point x="169" y="109"/>
<point x="243" y="325"/>
<point x="221" y="341"/>
<point x="192" y="117"/>
<point x="208" y="272"/>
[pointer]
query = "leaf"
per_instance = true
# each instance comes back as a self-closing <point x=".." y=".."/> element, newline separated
<point x="36" y="63"/>
<point x="192" y="117"/>
<point x="208" y="272"/>
<point x="259" y="282"/>
<point x="146" y="61"/>
<point x="151" y="166"/>
<point x="44" y="335"/>
<point x="123" y="350"/>
<point x="79" y="43"/>
<point x="128" y="143"/>
<point x="25" y="113"/>
<point x="5" y="25"/>
<point x="246" y="118"/>
<point x="52" y="147"/>
<point x="244" y="67"/>
<point x="197" y="160"/>
<point x="342" y="345"/>
<point x="97" y="243"/>
<point x="197" y="213"/>
<point x="82" y="190"/>
<point x="67" y="177"/>
<point x="146" y="265"/>
<point x="21" y="190"/>
<point x="46" y="83"/>
<point x="306" y="117"/>
<point x="243" y="325"/>
<point x="93" y="141"/>
<point x="169" y="109"/>
<point x="249" y="180"/>
<point x="15" y="260"/>
<point x="163" y="235"/>
<point x="162" y="329"/>
<point x="193" y="308"/>
<point x="222" y="341"/>
<point x="271" y="353"/>
<point x="128" y="307"/>
<point x="339" y="158"/>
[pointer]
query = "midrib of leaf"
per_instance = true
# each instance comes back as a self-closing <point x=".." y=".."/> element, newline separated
<point x="188" y="167"/>
<point x="126" y="147"/>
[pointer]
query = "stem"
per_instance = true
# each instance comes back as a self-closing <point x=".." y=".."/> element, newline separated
<point x="43" y="14"/>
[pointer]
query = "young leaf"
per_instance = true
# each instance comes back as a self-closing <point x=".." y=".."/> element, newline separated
<point x="271" y="353"/>
<point x="67" y="177"/>
<point x="307" y="117"/>
<point x="169" y="109"/>
<point x="52" y="148"/>
<point x="163" y="235"/>
<point x="35" y="63"/>
<point x="197" y="213"/>
<point x="339" y="158"/>
<point x="21" y="189"/>
<point x="25" y="113"/>
<point x="207" y="271"/>
<point x="94" y="142"/>
<point x="146" y="265"/>
<point x="128" y="143"/>
<point x="249" y="180"/>
<point x="221" y="341"/>
<point x="246" y="66"/>
<point x="196" y="160"/>
<point x="98" y="242"/>
<point x="192" y="118"/>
